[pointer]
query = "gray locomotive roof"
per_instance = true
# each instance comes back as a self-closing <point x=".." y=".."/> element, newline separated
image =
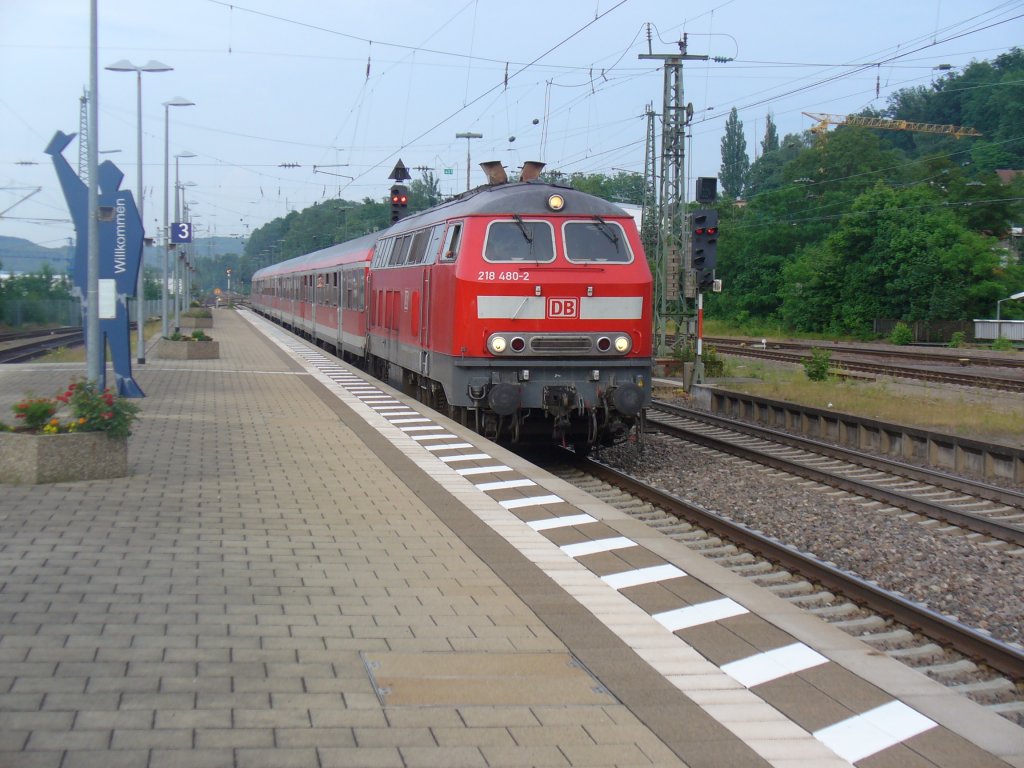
<point x="525" y="198"/>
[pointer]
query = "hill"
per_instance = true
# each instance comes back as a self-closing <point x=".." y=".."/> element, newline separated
<point x="20" y="256"/>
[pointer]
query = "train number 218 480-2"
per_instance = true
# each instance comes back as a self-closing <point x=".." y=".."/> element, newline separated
<point x="508" y="275"/>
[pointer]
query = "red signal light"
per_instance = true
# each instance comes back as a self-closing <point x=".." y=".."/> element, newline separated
<point x="712" y="230"/>
<point x="699" y="231"/>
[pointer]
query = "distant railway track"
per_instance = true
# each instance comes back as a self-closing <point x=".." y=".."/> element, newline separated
<point x="915" y="365"/>
<point x="922" y="354"/>
<point x="22" y="346"/>
<point x="969" y="661"/>
<point x="972" y="505"/>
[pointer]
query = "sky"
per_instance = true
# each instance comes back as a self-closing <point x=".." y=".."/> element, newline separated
<point x="301" y="102"/>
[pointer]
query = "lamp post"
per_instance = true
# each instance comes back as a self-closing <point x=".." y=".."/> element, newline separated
<point x="140" y="294"/>
<point x="467" y="135"/>
<point x="1014" y="297"/>
<point x="177" y="257"/>
<point x="175" y="102"/>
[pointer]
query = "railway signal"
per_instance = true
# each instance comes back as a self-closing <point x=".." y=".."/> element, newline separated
<point x="703" y="246"/>
<point x="399" y="201"/>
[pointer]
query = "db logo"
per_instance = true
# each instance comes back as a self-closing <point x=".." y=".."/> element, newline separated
<point x="566" y="307"/>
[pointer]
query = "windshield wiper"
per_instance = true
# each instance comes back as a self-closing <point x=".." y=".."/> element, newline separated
<point x="522" y="228"/>
<point x="606" y="229"/>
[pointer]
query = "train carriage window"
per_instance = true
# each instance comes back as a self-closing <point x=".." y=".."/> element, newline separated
<point x="452" y="240"/>
<point x="597" y="240"/>
<point x="519" y="240"/>
<point x="433" y="244"/>
<point x="380" y="256"/>
<point x="399" y="252"/>
<point x="417" y="247"/>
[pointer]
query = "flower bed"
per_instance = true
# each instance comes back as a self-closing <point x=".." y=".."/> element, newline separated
<point x="49" y="446"/>
<point x="198" y="346"/>
<point x="62" y="457"/>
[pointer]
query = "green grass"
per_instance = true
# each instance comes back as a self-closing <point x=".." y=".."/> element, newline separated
<point x="942" y="409"/>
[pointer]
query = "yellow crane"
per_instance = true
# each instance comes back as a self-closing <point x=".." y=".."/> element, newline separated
<point x="825" y="120"/>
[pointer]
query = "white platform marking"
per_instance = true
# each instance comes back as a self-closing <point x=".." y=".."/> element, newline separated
<point x="502" y="485"/>
<point x="530" y="501"/>
<point x="550" y="523"/>
<point x="463" y="457"/>
<point x="701" y="613"/>
<point x="874" y="730"/>
<point x="483" y="470"/>
<point x="600" y="545"/>
<point x="642" y="576"/>
<point x="773" y="664"/>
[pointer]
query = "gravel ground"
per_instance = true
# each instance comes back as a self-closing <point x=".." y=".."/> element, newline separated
<point x="981" y="585"/>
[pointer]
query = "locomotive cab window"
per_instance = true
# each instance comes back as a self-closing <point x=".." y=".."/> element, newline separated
<point x="596" y="240"/>
<point x="519" y="240"/>
<point x="453" y="237"/>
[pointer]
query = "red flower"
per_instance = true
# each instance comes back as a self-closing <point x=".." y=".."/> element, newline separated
<point x="107" y="415"/>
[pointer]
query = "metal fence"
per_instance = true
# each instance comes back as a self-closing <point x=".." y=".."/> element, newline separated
<point x="928" y="331"/>
<point x="16" y="313"/>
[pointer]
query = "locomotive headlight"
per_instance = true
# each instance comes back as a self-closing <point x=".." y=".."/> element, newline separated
<point x="497" y="344"/>
<point x="556" y="202"/>
<point x="623" y="344"/>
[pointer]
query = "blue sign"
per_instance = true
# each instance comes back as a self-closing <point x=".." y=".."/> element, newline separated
<point x="181" y="232"/>
<point x="120" y="254"/>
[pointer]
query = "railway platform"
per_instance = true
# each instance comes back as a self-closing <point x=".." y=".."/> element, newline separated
<point x="307" y="568"/>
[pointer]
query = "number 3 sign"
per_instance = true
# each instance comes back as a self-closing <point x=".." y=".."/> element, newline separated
<point x="181" y="232"/>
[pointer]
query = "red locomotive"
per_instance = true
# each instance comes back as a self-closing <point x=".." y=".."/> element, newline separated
<point x="522" y="309"/>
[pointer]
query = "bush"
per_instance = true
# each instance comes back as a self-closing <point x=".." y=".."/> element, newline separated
<point x="1003" y="344"/>
<point x="91" y="411"/>
<point x="901" y="335"/>
<point x="817" y="365"/>
<point x="957" y="340"/>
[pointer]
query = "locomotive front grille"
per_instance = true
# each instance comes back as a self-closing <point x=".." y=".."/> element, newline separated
<point x="547" y="345"/>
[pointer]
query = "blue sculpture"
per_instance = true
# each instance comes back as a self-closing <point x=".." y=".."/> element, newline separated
<point x="121" y="237"/>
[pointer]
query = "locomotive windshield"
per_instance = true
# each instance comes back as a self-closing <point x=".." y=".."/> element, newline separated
<point x="519" y="240"/>
<point x="597" y="240"/>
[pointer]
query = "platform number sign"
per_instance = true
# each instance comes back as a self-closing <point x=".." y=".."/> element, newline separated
<point x="181" y="232"/>
<point x="565" y="308"/>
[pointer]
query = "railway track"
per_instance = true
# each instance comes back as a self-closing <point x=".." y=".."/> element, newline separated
<point x="967" y="660"/>
<point x="24" y="346"/>
<point x="915" y="353"/>
<point x="952" y="499"/>
<point x="947" y="375"/>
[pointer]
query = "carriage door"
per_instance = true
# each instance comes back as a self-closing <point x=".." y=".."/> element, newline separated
<point x="429" y="260"/>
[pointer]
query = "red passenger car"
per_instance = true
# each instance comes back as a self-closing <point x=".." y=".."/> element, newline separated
<point x="522" y="309"/>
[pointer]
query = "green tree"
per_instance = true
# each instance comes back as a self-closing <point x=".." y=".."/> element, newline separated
<point x="770" y="142"/>
<point x="735" y="163"/>
<point x="899" y="253"/>
<point x="425" y="192"/>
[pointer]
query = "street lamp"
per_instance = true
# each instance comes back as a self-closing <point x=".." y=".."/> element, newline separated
<point x="177" y="260"/>
<point x="467" y="135"/>
<point x="151" y="66"/>
<point x="1014" y="297"/>
<point x="177" y="101"/>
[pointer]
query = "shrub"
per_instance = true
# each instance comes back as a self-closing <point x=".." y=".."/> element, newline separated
<point x="901" y="335"/>
<point x="90" y="411"/>
<point x="817" y="365"/>
<point x="957" y="340"/>
<point x="1002" y="344"/>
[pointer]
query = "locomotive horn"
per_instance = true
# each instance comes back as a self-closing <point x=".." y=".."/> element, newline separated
<point x="495" y="172"/>
<point x="531" y="170"/>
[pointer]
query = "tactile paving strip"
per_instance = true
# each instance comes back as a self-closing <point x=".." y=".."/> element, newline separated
<point x="737" y="666"/>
